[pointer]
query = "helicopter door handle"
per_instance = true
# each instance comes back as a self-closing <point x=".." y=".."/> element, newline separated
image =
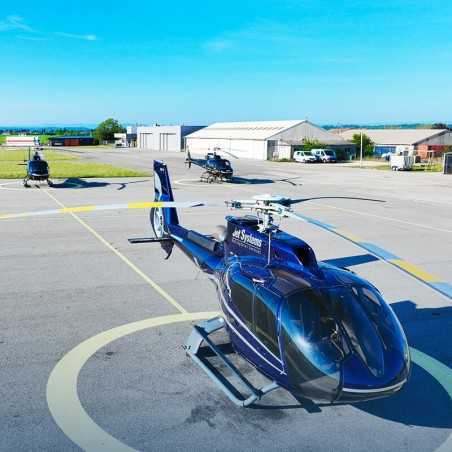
<point x="258" y="281"/>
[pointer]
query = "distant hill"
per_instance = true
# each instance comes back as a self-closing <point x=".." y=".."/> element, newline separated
<point x="382" y="126"/>
<point x="46" y="130"/>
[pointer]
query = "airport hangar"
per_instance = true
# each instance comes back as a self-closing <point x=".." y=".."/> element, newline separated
<point x="399" y="140"/>
<point x="262" y="140"/>
<point x="163" y="138"/>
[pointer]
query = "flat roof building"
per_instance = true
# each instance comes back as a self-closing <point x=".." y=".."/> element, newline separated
<point x="82" y="140"/>
<point x="398" y="140"/>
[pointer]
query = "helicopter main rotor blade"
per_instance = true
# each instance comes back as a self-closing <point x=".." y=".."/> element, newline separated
<point x="131" y="205"/>
<point x="299" y="200"/>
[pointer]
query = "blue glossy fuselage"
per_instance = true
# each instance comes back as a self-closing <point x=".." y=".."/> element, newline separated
<point x="317" y="330"/>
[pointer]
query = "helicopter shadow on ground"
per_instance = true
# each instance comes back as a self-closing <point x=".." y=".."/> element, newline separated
<point x="423" y="401"/>
<point x="258" y="181"/>
<point x="77" y="183"/>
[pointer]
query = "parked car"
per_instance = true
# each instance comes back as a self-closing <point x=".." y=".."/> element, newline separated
<point x="304" y="157"/>
<point x="324" y="155"/>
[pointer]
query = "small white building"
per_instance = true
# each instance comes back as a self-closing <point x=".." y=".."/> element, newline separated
<point x="22" y="141"/>
<point x="259" y="140"/>
<point x="163" y="138"/>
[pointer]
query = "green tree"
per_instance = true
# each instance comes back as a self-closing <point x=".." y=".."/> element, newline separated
<point x="106" y="130"/>
<point x="440" y="125"/>
<point x="368" y="144"/>
<point x="308" y="145"/>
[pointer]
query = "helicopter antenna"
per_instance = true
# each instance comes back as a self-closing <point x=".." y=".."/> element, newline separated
<point x="269" y="247"/>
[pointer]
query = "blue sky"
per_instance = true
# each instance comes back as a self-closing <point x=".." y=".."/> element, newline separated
<point x="203" y="61"/>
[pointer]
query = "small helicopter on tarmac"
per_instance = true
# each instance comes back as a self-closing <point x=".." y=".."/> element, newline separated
<point x="319" y="331"/>
<point x="37" y="169"/>
<point x="217" y="169"/>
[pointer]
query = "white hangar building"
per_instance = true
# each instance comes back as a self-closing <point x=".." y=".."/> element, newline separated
<point x="163" y="138"/>
<point x="260" y="140"/>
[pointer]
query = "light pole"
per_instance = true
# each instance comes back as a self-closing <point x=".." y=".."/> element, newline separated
<point x="361" y="151"/>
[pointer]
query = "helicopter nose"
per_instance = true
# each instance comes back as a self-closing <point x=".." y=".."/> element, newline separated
<point x="361" y="376"/>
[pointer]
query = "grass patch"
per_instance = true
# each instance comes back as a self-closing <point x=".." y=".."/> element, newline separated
<point x="21" y="155"/>
<point x="437" y="167"/>
<point x="62" y="166"/>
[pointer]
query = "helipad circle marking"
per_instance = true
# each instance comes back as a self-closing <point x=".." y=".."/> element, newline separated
<point x="19" y="182"/>
<point x="62" y="396"/>
<point x="200" y="184"/>
<point x="75" y="422"/>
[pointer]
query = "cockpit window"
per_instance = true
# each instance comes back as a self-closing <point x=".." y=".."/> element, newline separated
<point x="312" y="327"/>
<point x="328" y="324"/>
<point x="362" y="333"/>
<point x="38" y="166"/>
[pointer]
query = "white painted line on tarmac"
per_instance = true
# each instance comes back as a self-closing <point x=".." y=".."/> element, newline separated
<point x="382" y="217"/>
<point x="62" y="394"/>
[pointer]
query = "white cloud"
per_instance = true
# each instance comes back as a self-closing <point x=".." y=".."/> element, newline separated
<point x="89" y="37"/>
<point x="15" y="22"/>
<point x="258" y="33"/>
<point x="33" y="38"/>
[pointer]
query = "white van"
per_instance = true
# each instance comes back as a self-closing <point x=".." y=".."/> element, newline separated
<point x="324" y="155"/>
<point x="304" y="157"/>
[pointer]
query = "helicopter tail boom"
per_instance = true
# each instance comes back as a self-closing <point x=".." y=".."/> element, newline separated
<point x="164" y="192"/>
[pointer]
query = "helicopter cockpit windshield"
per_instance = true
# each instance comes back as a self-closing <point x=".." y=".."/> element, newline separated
<point x="322" y="327"/>
<point x="38" y="167"/>
<point x="219" y="164"/>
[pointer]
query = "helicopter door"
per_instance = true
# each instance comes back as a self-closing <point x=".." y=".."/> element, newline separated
<point x="242" y="294"/>
<point x="265" y="320"/>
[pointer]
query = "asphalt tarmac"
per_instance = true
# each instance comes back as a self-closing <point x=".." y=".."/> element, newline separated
<point x="66" y="278"/>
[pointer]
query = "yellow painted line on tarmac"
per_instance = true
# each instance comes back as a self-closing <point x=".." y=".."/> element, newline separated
<point x="349" y="235"/>
<point x="146" y="278"/>
<point x="415" y="270"/>
<point x="62" y="394"/>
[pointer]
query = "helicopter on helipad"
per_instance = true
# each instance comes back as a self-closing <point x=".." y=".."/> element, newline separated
<point x="37" y="169"/>
<point x="319" y="331"/>
<point x="216" y="168"/>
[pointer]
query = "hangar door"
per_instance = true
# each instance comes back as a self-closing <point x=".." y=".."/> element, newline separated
<point x="168" y="142"/>
<point x="146" y="140"/>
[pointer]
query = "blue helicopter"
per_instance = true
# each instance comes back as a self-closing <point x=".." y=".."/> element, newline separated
<point x="216" y="168"/>
<point x="316" y="330"/>
<point x="37" y="170"/>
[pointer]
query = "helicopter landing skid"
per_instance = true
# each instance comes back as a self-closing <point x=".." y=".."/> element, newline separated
<point x="200" y="334"/>
<point x="210" y="178"/>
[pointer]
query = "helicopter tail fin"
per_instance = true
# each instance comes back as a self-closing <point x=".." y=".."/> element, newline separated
<point x="164" y="192"/>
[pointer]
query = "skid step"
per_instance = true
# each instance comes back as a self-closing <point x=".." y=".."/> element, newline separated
<point x="200" y="334"/>
<point x="149" y="240"/>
